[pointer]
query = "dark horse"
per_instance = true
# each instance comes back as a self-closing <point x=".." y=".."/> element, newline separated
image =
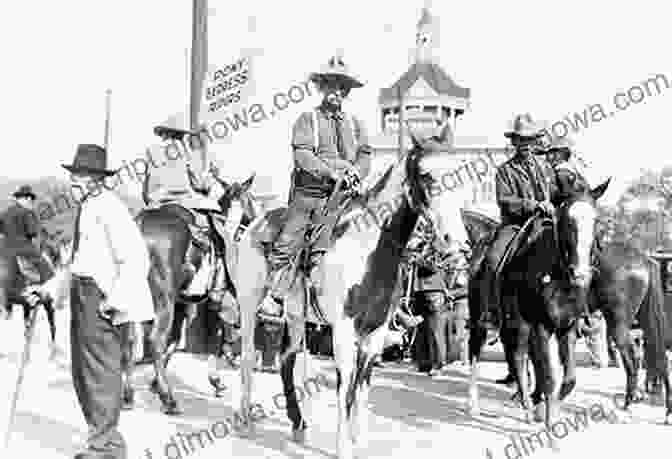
<point x="556" y="258"/>
<point x="626" y="286"/>
<point x="169" y="238"/>
<point x="13" y="281"/>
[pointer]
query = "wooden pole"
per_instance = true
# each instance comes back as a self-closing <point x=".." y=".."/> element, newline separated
<point x="199" y="65"/>
<point x="108" y="100"/>
<point x="401" y="122"/>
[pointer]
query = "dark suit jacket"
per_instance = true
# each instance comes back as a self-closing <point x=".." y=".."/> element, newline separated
<point x="20" y="226"/>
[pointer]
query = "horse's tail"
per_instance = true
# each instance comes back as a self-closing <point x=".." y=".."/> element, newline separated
<point x="654" y="322"/>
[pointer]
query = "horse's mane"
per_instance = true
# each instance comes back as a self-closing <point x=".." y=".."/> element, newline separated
<point x="413" y="179"/>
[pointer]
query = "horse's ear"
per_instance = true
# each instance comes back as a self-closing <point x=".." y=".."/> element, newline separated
<point x="598" y="191"/>
<point x="248" y="183"/>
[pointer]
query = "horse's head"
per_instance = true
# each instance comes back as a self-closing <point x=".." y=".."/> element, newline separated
<point x="237" y="193"/>
<point x="576" y="220"/>
<point x="422" y="176"/>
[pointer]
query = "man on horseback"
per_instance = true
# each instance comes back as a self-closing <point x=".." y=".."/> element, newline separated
<point x="525" y="185"/>
<point x="177" y="181"/>
<point x="22" y="231"/>
<point x="330" y="147"/>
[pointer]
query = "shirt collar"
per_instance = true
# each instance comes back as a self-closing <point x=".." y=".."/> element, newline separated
<point x="330" y="114"/>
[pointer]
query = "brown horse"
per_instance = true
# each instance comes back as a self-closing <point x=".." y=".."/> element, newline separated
<point x="556" y="260"/>
<point x="169" y="239"/>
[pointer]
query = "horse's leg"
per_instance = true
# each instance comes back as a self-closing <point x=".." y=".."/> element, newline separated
<point x="292" y="407"/>
<point x="127" y="364"/>
<point x="623" y="340"/>
<point x="215" y="338"/>
<point x="345" y="355"/>
<point x="165" y="304"/>
<point x="520" y="358"/>
<point x="478" y="334"/>
<point x="567" y="348"/>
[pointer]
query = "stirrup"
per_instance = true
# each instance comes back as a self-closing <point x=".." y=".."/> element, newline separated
<point x="269" y="317"/>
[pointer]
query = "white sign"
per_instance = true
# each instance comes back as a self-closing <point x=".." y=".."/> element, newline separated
<point x="225" y="86"/>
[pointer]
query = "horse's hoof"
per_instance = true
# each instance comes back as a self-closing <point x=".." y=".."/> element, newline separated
<point x="171" y="409"/>
<point x="127" y="405"/>
<point x="566" y="388"/>
<point x="299" y="434"/>
<point x="216" y="383"/>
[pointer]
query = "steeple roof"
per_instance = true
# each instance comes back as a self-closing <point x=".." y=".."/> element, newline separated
<point x="433" y="75"/>
<point x="425" y="19"/>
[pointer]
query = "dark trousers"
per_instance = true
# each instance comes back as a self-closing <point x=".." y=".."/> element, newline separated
<point x="300" y="214"/>
<point x="268" y="339"/>
<point x="431" y="340"/>
<point x="96" y="366"/>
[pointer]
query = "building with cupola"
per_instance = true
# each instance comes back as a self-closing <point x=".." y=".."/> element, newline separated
<point x="424" y="98"/>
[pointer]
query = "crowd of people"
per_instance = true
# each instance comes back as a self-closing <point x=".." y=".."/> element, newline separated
<point x="109" y="263"/>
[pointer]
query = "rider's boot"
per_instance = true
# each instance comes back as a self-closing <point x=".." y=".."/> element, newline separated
<point x="272" y="308"/>
<point x="408" y="320"/>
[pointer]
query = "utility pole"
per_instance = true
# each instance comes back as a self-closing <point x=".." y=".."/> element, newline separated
<point x="108" y="100"/>
<point x="199" y="65"/>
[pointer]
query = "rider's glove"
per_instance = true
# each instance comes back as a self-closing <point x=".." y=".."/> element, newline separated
<point x="546" y="208"/>
<point x="351" y="181"/>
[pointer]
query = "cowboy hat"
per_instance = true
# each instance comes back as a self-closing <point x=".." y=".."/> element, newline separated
<point x="174" y="128"/>
<point x="558" y="143"/>
<point x="335" y="67"/>
<point x="524" y="126"/>
<point x="90" y="159"/>
<point x="25" y="191"/>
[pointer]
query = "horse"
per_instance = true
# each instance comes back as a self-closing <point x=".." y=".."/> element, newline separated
<point x="360" y="274"/>
<point x="626" y="287"/>
<point x="555" y="258"/>
<point x="13" y="281"/>
<point x="169" y="239"/>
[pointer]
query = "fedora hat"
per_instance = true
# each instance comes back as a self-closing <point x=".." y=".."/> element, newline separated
<point x="524" y="126"/>
<point x="336" y="68"/>
<point x="24" y="191"/>
<point x="89" y="159"/>
<point x="176" y="127"/>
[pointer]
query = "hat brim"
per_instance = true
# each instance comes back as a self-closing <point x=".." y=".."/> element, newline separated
<point x="352" y="82"/>
<point x="88" y="170"/>
<point x="25" y="195"/>
<point x="513" y="134"/>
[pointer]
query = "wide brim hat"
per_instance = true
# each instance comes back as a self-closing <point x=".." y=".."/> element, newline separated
<point x="336" y="68"/>
<point x="90" y="159"/>
<point x="25" y="191"/>
<point x="523" y="126"/>
<point x="558" y="143"/>
<point x="176" y="127"/>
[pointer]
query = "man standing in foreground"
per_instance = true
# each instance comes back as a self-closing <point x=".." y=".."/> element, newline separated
<point x="109" y="269"/>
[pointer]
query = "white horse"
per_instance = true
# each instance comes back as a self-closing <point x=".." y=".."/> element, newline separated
<point x="360" y="273"/>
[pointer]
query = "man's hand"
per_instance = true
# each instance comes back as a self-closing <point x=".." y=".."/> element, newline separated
<point x="546" y="208"/>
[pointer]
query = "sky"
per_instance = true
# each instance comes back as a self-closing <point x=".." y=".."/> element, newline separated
<point x="542" y="57"/>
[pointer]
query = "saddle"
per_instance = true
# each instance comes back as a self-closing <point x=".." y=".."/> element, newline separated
<point x="205" y="229"/>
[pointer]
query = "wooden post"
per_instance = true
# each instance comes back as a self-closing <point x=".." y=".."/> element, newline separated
<point x="401" y="122"/>
<point x="108" y="100"/>
<point x="199" y="65"/>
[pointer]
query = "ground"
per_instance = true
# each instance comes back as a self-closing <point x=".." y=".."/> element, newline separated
<point x="410" y="413"/>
